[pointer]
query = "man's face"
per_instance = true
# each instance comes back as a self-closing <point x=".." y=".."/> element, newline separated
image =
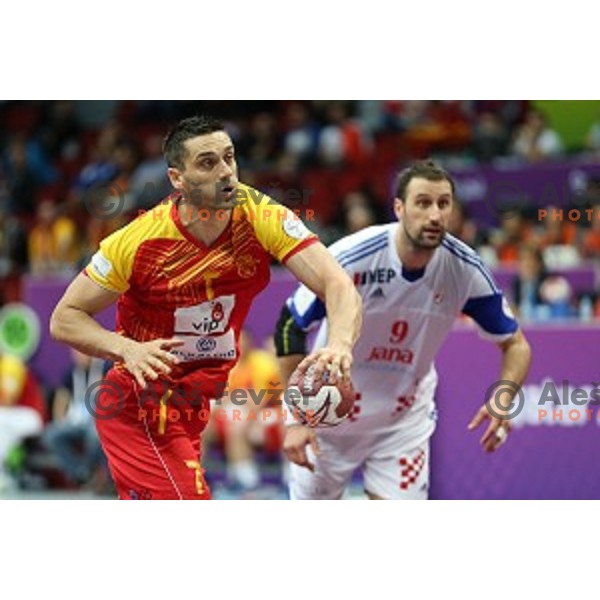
<point x="425" y="212"/>
<point x="209" y="178"/>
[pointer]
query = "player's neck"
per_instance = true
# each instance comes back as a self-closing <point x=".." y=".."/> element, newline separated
<point x="412" y="257"/>
<point x="203" y="224"/>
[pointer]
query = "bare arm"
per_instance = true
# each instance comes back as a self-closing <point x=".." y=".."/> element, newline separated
<point x="516" y="359"/>
<point x="73" y="323"/>
<point x="319" y="271"/>
<point x="296" y="436"/>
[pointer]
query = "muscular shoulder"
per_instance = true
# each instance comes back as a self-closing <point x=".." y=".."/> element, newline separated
<point x="463" y="264"/>
<point x="362" y="245"/>
<point x="459" y="255"/>
<point x="154" y="223"/>
<point x="112" y="265"/>
<point x="278" y="229"/>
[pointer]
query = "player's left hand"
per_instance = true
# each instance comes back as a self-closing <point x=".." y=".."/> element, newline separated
<point x="497" y="431"/>
<point x="335" y="358"/>
<point x="297" y="438"/>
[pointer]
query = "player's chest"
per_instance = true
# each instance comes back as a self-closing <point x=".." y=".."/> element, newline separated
<point x="385" y="291"/>
<point x="187" y="272"/>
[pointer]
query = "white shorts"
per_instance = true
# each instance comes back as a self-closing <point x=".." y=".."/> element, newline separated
<point x="392" y="453"/>
<point x="390" y="471"/>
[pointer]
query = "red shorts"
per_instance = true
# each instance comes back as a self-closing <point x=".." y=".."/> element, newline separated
<point x="151" y="438"/>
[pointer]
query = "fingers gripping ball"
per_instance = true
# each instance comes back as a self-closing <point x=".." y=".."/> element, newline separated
<point x="317" y="403"/>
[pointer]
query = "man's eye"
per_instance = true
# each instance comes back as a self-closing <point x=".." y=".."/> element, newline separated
<point x="207" y="164"/>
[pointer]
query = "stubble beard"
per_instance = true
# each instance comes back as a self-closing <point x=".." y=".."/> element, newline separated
<point x="419" y="242"/>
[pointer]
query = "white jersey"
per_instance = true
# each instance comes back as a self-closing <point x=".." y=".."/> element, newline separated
<point x="406" y="318"/>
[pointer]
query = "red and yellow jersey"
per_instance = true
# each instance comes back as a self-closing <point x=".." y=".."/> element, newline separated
<point x="174" y="285"/>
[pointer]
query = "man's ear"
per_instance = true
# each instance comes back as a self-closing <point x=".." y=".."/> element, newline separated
<point x="175" y="178"/>
<point x="398" y="208"/>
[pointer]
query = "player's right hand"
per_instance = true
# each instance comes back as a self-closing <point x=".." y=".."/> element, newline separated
<point x="334" y="358"/>
<point x="297" y="437"/>
<point x="145" y="360"/>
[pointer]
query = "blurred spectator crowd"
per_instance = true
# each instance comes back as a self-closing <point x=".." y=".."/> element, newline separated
<point x="63" y="162"/>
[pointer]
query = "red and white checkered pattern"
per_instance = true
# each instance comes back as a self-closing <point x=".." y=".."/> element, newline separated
<point x="404" y="403"/>
<point x="353" y="416"/>
<point x="411" y="468"/>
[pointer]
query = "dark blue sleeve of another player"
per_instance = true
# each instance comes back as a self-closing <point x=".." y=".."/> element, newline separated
<point x="300" y="313"/>
<point x="493" y="315"/>
<point x="309" y="312"/>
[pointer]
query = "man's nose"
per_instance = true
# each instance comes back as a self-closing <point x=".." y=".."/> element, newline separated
<point x="226" y="170"/>
<point x="435" y="214"/>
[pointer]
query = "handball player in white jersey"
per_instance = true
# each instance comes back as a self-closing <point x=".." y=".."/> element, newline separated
<point x="415" y="279"/>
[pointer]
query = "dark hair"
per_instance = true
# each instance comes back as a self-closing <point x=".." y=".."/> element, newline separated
<point x="173" y="145"/>
<point x="427" y="169"/>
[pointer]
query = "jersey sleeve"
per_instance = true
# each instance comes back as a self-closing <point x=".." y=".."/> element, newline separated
<point x="279" y="230"/>
<point x="488" y="307"/>
<point x="112" y="264"/>
<point x="304" y="305"/>
<point x="306" y="308"/>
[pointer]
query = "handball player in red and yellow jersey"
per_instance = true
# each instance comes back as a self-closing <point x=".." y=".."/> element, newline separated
<point x="184" y="275"/>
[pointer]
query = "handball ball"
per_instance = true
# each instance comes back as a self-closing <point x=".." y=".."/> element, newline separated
<point x="318" y="403"/>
